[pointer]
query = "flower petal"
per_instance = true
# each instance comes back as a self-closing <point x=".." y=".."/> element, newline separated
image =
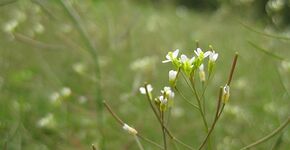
<point x="175" y="53"/>
<point x="142" y="90"/>
<point x="207" y="54"/>
<point x="183" y="58"/>
<point x="166" y="61"/>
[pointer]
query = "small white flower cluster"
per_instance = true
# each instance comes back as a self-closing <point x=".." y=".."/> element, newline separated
<point x="163" y="101"/>
<point x="190" y="64"/>
<point x="143" y="89"/>
<point x="56" y="97"/>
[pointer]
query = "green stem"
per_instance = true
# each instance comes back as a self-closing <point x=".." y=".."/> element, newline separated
<point x="185" y="99"/>
<point x="267" y="137"/>
<point x="199" y="105"/>
<point x="121" y="122"/>
<point x="215" y="120"/>
<point x="192" y="87"/>
<point x="149" y="141"/>
<point x="159" y="120"/>
<point x="163" y="131"/>
<point x="138" y="142"/>
<point x="76" y="19"/>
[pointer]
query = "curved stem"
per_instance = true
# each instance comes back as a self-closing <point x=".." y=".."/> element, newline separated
<point x="121" y="122"/>
<point x="267" y="137"/>
<point x="192" y="87"/>
<point x="185" y="99"/>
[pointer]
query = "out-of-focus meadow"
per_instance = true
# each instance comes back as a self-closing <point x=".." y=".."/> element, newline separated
<point x="48" y="80"/>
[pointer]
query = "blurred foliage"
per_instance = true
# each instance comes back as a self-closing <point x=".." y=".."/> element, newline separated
<point x="273" y="12"/>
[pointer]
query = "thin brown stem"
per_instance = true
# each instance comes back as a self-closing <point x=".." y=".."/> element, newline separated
<point x="163" y="131"/>
<point x="232" y="69"/>
<point x="219" y="103"/>
<point x="267" y="137"/>
<point x="214" y="122"/>
<point x="121" y="122"/>
<point x="93" y="147"/>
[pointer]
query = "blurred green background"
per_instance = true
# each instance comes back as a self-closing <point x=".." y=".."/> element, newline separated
<point x="48" y="80"/>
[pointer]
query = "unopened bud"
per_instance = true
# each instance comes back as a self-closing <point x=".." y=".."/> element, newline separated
<point x="201" y="73"/>
<point x="129" y="129"/>
<point x="226" y="94"/>
<point x="172" y="77"/>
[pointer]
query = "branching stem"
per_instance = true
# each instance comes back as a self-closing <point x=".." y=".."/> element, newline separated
<point x="267" y="137"/>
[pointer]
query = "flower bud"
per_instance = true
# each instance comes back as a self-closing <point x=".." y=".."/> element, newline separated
<point x="172" y="77"/>
<point x="226" y="94"/>
<point x="187" y="64"/>
<point x="201" y="73"/>
<point x="129" y="129"/>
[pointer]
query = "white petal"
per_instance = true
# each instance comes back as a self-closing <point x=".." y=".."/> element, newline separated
<point x="215" y="56"/>
<point x="166" y="61"/>
<point x="183" y="58"/>
<point x="172" y="75"/>
<point x="149" y="88"/>
<point x="166" y="88"/>
<point x="207" y="53"/>
<point x="175" y="53"/>
<point x="198" y="51"/>
<point x="168" y="57"/>
<point x="142" y="90"/>
<point x="192" y="60"/>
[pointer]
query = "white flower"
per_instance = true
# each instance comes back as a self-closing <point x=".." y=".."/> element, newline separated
<point x="201" y="54"/>
<point x="65" y="92"/>
<point x="187" y="64"/>
<point x="171" y="56"/>
<point x="129" y="129"/>
<point x="168" y="93"/>
<point x="54" y="96"/>
<point x="143" y="90"/>
<point x="162" y="100"/>
<point x="213" y="56"/>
